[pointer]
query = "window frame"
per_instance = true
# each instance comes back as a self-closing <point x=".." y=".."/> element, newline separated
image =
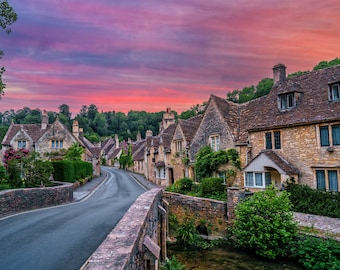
<point x="287" y="101"/>
<point x="329" y="135"/>
<point x="21" y="144"/>
<point x="334" y="94"/>
<point x="215" y="142"/>
<point x="252" y="178"/>
<point x="273" y="140"/>
<point x="324" y="178"/>
<point x="57" y="144"/>
<point x="179" y="146"/>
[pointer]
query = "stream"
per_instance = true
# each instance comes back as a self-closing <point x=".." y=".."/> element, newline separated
<point x="222" y="258"/>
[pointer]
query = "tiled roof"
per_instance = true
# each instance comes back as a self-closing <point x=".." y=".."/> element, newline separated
<point x="313" y="106"/>
<point x="288" y="168"/>
<point x="190" y="126"/>
<point x="33" y="130"/>
<point x="138" y="150"/>
<point x="166" y="136"/>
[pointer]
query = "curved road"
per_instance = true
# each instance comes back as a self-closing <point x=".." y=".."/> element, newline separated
<point x="63" y="237"/>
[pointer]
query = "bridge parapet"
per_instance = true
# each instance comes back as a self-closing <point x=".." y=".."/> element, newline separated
<point x="136" y="241"/>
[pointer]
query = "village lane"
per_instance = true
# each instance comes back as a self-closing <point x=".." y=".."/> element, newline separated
<point x="63" y="237"/>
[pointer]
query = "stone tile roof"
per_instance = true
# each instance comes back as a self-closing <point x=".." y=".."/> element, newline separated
<point x="32" y="130"/>
<point x="313" y="105"/>
<point x="166" y="136"/>
<point x="231" y="114"/>
<point x="190" y="126"/>
<point x="138" y="150"/>
<point x="288" y="168"/>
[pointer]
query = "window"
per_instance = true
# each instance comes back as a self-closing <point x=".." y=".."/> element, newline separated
<point x="287" y="101"/>
<point x="334" y="92"/>
<point x="215" y="142"/>
<point x="320" y="180"/>
<point x="258" y="179"/>
<point x="179" y="146"/>
<point x="333" y="181"/>
<point x="21" y="144"/>
<point x="269" y="139"/>
<point x="57" y="144"/>
<point x="327" y="180"/>
<point x="269" y="144"/>
<point x="325" y="138"/>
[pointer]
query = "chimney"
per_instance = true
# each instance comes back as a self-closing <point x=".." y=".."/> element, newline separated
<point x="44" y="119"/>
<point x="117" y="141"/>
<point x="148" y="133"/>
<point x="279" y="73"/>
<point x="139" y="137"/>
<point x="75" y="129"/>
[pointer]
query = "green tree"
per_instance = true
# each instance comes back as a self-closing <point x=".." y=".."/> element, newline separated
<point x="74" y="152"/>
<point x="263" y="87"/>
<point x="125" y="159"/>
<point x="7" y="17"/>
<point x="264" y="223"/>
<point x="325" y="64"/>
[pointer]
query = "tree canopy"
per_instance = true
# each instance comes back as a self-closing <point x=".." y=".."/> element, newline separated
<point x="7" y="17"/>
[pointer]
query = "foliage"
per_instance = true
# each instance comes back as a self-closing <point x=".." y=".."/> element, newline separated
<point x="125" y="159"/>
<point x="317" y="202"/>
<point x="212" y="187"/>
<point x="3" y="131"/>
<point x="183" y="185"/>
<point x="74" y="152"/>
<point x="251" y="92"/>
<point x="264" y="223"/>
<point x="71" y="170"/>
<point x="317" y="253"/>
<point x="193" y="111"/>
<point x="7" y="17"/>
<point x="325" y="64"/>
<point x="207" y="161"/>
<point x="29" y="171"/>
<point x="11" y="153"/>
<point x="172" y="264"/>
<point x="186" y="233"/>
<point x="3" y="178"/>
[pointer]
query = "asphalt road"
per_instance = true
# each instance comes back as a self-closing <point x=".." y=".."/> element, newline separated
<point x="64" y="237"/>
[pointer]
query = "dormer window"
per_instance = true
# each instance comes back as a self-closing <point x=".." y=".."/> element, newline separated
<point x="287" y="101"/>
<point x="21" y="144"/>
<point x="334" y="92"/>
<point x="214" y="141"/>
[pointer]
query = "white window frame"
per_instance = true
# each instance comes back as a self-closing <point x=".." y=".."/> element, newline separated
<point x="334" y="92"/>
<point x="22" y="144"/>
<point x="263" y="177"/>
<point x="57" y="144"/>
<point x="179" y="146"/>
<point x="287" y="101"/>
<point x="215" y="142"/>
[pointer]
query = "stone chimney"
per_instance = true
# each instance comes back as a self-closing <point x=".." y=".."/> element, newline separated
<point x="168" y="119"/>
<point x="139" y="137"/>
<point x="44" y="119"/>
<point x="116" y="141"/>
<point x="279" y="73"/>
<point x="75" y="129"/>
<point x="148" y="133"/>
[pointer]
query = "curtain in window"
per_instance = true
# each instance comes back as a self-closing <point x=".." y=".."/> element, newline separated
<point x="249" y="179"/>
<point x="333" y="180"/>
<point x="320" y="180"/>
<point x="336" y="134"/>
<point x="258" y="179"/>
<point x="324" y="138"/>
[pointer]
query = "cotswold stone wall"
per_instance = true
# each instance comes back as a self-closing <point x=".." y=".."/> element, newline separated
<point x="137" y="241"/>
<point x="211" y="212"/>
<point x="20" y="200"/>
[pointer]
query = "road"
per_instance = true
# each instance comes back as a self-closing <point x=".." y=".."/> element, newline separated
<point x="63" y="237"/>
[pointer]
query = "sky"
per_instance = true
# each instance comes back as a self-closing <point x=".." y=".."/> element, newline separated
<point x="147" y="55"/>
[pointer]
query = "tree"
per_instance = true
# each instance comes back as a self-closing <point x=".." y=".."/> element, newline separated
<point x="74" y="152"/>
<point x="7" y="17"/>
<point x="125" y="159"/>
<point x="264" y="223"/>
<point x="325" y="64"/>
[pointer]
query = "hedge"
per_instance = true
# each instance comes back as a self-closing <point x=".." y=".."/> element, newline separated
<point x="71" y="171"/>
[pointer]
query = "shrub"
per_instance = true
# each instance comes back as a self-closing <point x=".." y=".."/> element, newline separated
<point x="264" y="223"/>
<point x="186" y="232"/>
<point x="182" y="186"/>
<point x="317" y="253"/>
<point x="212" y="186"/>
<point x="71" y="171"/>
<point x="172" y="264"/>
<point x="314" y="201"/>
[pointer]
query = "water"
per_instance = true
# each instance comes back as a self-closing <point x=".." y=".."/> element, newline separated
<point x="223" y="258"/>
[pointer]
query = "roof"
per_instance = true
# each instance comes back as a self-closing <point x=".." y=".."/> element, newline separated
<point x="279" y="161"/>
<point x="313" y="105"/>
<point x="190" y="126"/>
<point x="33" y="130"/>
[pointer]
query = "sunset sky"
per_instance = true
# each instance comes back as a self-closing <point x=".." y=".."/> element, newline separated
<point x="152" y="54"/>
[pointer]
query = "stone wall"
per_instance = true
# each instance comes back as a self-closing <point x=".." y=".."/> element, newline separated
<point x="136" y="240"/>
<point x="212" y="213"/>
<point x="301" y="147"/>
<point x="20" y="200"/>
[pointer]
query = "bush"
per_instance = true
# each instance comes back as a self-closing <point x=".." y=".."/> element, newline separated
<point x="264" y="223"/>
<point x="187" y="233"/>
<point x="314" y="201"/>
<point x="71" y="171"/>
<point x="182" y="186"/>
<point x="172" y="264"/>
<point x="317" y="253"/>
<point x="212" y="187"/>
